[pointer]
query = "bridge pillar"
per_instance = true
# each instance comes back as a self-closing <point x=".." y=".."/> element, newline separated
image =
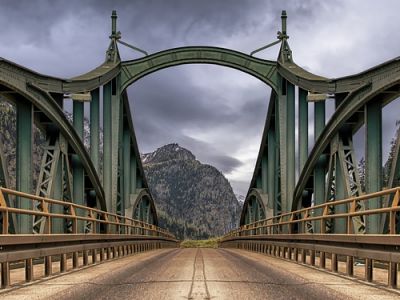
<point x="303" y="128"/>
<point x="339" y="224"/>
<point x="373" y="162"/>
<point x="271" y="170"/>
<point x="319" y="171"/>
<point x="291" y="141"/>
<point x="264" y="172"/>
<point x="95" y="128"/>
<point x="126" y="168"/>
<point x="107" y="163"/>
<point x="111" y="122"/>
<point x="286" y="113"/>
<point x="24" y="162"/>
<point x="77" y="168"/>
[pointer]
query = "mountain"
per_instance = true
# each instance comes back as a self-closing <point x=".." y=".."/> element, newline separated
<point x="194" y="200"/>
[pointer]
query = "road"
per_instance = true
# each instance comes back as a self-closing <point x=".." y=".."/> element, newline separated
<point x="198" y="274"/>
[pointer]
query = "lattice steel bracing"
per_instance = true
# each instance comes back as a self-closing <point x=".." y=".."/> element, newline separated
<point x="55" y="156"/>
<point x="393" y="181"/>
<point x="5" y="182"/>
<point x="342" y="163"/>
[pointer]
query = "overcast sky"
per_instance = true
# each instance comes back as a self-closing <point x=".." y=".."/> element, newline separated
<point x="216" y="112"/>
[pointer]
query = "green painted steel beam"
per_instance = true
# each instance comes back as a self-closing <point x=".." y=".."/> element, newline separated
<point x="340" y="193"/>
<point x="264" y="70"/>
<point x="303" y="128"/>
<point x="271" y="169"/>
<point x="264" y="173"/>
<point x="24" y="162"/>
<point x="290" y="144"/>
<point x="373" y="161"/>
<point x="133" y="173"/>
<point x="95" y="128"/>
<point x="78" y="172"/>
<point x="259" y="181"/>
<point x="127" y="167"/>
<point x="107" y="145"/>
<point x="319" y="171"/>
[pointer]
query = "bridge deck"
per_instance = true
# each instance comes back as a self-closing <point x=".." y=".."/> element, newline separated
<point x="198" y="274"/>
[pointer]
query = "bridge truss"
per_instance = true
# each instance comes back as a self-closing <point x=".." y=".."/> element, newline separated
<point x="111" y="177"/>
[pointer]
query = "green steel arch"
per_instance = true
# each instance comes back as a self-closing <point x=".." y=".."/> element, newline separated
<point x="265" y="70"/>
<point x="254" y="208"/>
<point x="381" y="90"/>
<point x="44" y="101"/>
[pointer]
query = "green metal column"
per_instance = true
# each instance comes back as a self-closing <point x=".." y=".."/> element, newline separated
<point x="107" y="146"/>
<point x="133" y="179"/>
<point x="373" y="162"/>
<point x="57" y="225"/>
<point x="127" y="167"/>
<point x="95" y="128"/>
<point x="319" y="171"/>
<point x="340" y="193"/>
<point x="303" y="128"/>
<point x="77" y="168"/>
<point x="271" y="170"/>
<point x="291" y="144"/>
<point x="24" y="162"/>
<point x="264" y="172"/>
<point x="259" y="181"/>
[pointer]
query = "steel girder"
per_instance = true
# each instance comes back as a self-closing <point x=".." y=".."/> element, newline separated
<point x="255" y="207"/>
<point x="351" y="104"/>
<point x="264" y="70"/>
<point x="44" y="101"/>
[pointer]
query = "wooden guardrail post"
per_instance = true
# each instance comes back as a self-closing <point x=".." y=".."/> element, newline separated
<point x="28" y="269"/>
<point x="47" y="266"/>
<point x="5" y="274"/>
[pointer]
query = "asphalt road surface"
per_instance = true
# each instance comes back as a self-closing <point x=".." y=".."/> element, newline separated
<point x="198" y="274"/>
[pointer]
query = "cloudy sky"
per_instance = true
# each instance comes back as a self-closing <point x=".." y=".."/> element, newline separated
<point x="216" y="112"/>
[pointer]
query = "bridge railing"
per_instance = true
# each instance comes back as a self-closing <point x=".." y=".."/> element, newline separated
<point x="93" y="236"/>
<point x="288" y="236"/>
<point x="94" y="218"/>
<point x="298" y="221"/>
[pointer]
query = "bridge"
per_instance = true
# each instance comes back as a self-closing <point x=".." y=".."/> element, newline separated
<point x="91" y="203"/>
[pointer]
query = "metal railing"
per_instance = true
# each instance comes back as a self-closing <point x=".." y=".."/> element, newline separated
<point x="112" y="223"/>
<point x="109" y="236"/>
<point x="297" y="221"/>
<point x="287" y="236"/>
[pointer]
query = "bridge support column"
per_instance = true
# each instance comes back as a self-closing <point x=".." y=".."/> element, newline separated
<point x="57" y="225"/>
<point x="319" y="171"/>
<point x="127" y="168"/>
<point x="264" y="173"/>
<point x="111" y="132"/>
<point x="291" y="157"/>
<point x="95" y="128"/>
<point x="107" y="146"/>
<point x="373" y="162"/>
<point x="303" y="128"/>
<point x="77" y="168"/>
<point x="339" y="224"/>
<point x="271" y="170"/>
<point x="24" y="162"/>
<point x="286" y="115"/>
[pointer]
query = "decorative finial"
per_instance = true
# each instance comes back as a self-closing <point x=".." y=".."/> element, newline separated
<point x="283" y="18"/>
<point x="114" y="22"/>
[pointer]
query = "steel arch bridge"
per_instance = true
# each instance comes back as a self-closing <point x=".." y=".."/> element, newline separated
<point x="116" y="181"/>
